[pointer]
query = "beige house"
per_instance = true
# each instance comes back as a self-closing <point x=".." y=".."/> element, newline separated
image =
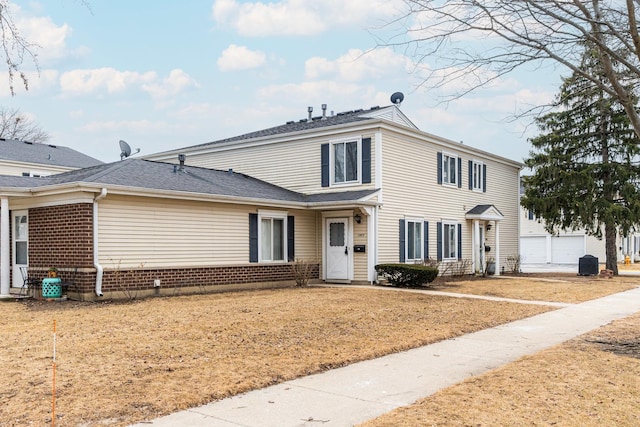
<point x="430" y="197"/>
<point x="342" y="192"/>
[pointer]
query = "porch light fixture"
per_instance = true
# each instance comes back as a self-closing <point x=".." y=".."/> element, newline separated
<point x="357" y="218"/>
<point x="488" y="227"/>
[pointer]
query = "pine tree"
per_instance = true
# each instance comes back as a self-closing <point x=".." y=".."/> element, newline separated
<point x="586" y="171"/>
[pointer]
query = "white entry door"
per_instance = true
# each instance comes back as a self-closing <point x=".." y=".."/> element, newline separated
<point x="338" y="253"/>
<point x="20" y="232"/>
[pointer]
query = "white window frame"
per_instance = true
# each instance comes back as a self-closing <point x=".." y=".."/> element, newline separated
<point x="271" y="215"/>
<point x="445" y="236"/>
<point x="447" y="158"/>
<point x="332" y="161"/>
<point x="35" y="174"/>
<point x="477" y="177"/>
<point x="407" y="223"/>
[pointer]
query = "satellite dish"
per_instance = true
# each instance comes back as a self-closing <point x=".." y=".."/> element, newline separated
<point x="397" y="98"/>
<point x="125" y="150"/>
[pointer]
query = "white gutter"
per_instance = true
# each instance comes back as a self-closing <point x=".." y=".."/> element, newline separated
<point x="96" y="264"/>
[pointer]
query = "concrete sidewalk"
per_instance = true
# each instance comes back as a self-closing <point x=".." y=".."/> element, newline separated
<point x="362" y="391"/>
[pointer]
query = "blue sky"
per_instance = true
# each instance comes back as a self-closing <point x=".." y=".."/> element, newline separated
<point x="167" y="74"/>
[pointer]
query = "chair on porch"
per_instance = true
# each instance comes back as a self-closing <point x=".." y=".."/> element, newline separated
<point x="29" y="284"/>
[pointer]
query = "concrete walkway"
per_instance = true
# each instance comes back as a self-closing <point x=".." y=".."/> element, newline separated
<point x="362" y="391"/>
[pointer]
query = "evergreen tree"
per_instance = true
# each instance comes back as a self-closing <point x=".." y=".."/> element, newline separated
<point x="586" y="173"/>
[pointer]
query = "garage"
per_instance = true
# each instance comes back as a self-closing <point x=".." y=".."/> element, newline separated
<point x="552" y="249"/>
<point x="533" y="250"/>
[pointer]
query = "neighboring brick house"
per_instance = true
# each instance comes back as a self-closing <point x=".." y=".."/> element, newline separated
<point x="343" y="192"/>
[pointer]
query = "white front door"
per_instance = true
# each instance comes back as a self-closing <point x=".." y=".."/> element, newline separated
<point x="20" y="233"/>
<point x="338" y="250"/>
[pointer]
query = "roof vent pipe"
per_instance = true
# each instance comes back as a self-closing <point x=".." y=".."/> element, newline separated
<point x="181" y="159"/>
<point x="324" y="111"/>
<point x="310" y="110"/>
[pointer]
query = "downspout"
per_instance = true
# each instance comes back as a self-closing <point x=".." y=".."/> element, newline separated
<point x="96" y="263"/>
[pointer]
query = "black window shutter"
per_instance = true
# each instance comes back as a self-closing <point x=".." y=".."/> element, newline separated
<point x="439" y="168"/>
<point x="470" y="174"/>
<point x="291" y="252"/>
<point x="253" y="237"/>
<point x="459" y="172"/>
<point x="403" y="257"/>
<point x="439" y="240"/>
<point x="459" y="241"/>
<point x="324" y="159"/>
<point x="484" y="178"/>
<point x="366" y="160"/>
<point x="425" y="232"/>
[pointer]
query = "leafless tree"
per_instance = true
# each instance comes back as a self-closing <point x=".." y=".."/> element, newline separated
<point x="15" y="125"/>
<point x="473" y="43"/>
<point x="15" y="48"/>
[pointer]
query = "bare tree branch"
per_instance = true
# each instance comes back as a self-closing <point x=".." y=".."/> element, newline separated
<point x="15" y="48"/>
<point x="470" y="44"/>
<point x="15" y="125"/>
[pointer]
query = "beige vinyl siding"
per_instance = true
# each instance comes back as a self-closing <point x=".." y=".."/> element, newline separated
<point x="360" y="259"/>
<point x="150" y="233"/>
<point x="294" y="165"/>
<point x="410" y="189"/>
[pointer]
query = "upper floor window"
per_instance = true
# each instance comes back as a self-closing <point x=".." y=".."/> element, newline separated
<point x="345" y="161"/>
<point x="476" y="176"/>
<point x="449" y="169"/>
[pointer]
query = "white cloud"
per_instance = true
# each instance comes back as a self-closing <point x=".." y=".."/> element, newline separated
<point x="49" y="40"/>
<point x="299" y="17"/>
<point x="83" y="82"/>
<point x="357" y="65"/>
<point x="110" y="80"/>
<point x="236" y="58"/>
<point x="177" y="81"/>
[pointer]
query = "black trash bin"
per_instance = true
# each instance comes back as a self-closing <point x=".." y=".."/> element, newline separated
<point x="588" y="265"/>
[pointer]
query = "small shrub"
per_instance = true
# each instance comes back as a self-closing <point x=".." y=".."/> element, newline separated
<point x="407" y="275"/>
<point x="457" y="268"/>
<point x="302" y="271"/>
<point x="513" y="264"/>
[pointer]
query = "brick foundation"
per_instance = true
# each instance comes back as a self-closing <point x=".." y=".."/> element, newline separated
<point x="125" y="284"/>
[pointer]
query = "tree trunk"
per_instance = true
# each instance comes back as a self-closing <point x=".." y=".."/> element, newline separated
<point x="611" y="249"/>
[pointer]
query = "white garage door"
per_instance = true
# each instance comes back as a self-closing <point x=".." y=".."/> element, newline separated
<point x="533" y="250"/>
<point x="567" y="249"/>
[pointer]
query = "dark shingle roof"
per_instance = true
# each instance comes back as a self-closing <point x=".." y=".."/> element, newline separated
<point x="480" y="209"/>
<point x="301" y="125"/>
<point x="44" y="154"/>
<point x="150" y="175"/>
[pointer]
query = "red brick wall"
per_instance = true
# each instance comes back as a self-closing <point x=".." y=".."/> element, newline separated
<point x="61" y="236"/>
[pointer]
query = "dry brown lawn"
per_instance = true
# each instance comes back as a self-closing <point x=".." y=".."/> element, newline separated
<point x="563" y="287"/>
<point x="119" y="363"/>
<point x="590" y="381"/>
